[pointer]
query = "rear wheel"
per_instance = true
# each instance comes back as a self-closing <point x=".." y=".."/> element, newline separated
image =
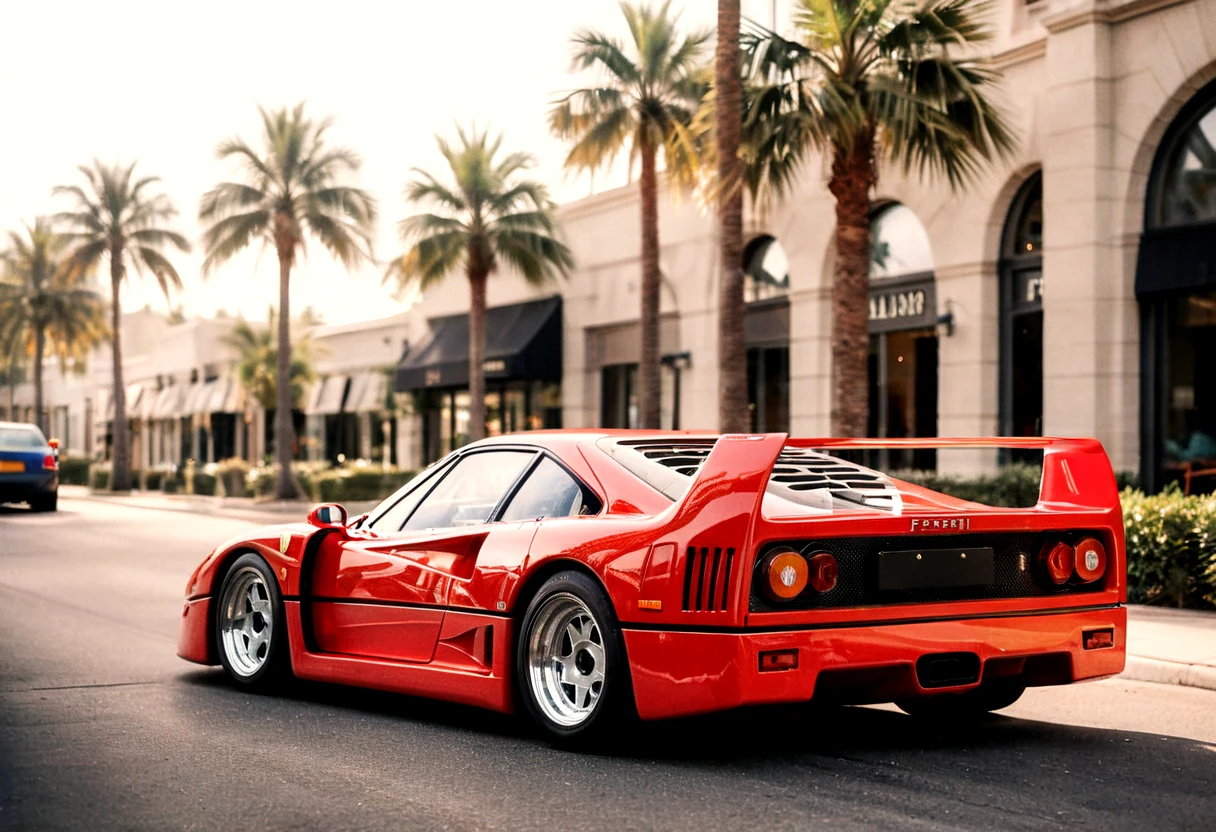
<point x="250" y="628"/>
<point x="45" y="502"/>
<point x="992" y="696"/>
<point x="570" y="662"/>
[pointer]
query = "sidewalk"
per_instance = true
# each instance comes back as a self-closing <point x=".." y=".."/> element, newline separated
<point x="1171" y="646"/>
<point x="277" y="510"/>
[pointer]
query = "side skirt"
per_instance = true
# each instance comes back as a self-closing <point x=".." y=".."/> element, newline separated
<point x="471" y="665"/>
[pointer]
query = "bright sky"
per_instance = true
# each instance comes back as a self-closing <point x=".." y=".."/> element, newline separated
<point x="163" y="83"/>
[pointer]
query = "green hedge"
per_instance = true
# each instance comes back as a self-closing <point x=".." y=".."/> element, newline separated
<point x="233" y="476"/>
<point x="348" y="485"/>
<point x="99" y="477"/>
<point x="1013" y="486"/>
<point x="153" y="479"/>
<point x="204" y="484"/>
<point x="73" y="470"/>
<point x="1171" y="548"/>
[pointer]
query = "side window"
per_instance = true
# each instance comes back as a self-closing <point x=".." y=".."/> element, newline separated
<point x="391" y="520"/>
<point x="548" y="492"/>
<point x="468" y="494"/>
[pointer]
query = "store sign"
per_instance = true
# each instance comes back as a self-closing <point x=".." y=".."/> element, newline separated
<point x="902" y="304"/>
<point x="433" y="377"/>
<point x="1028" y="291"/>
<point x="495" y="365"/>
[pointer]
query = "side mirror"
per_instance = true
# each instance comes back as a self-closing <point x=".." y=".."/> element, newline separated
<point x="328" y="516"/>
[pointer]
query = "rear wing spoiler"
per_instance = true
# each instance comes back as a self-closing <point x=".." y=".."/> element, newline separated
<point x="726" y="494"/>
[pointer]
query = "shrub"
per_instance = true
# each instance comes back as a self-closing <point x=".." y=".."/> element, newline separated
<point x="344" y="485"/>
<point x="1171" y="547"/>
<point x="73" y="470"/>
<point x="204" y="483"/>
<point x="99" y="477"/>
<point x="153" y="479"/>
<point x="263" y="480"/>
<point x="170" y="484"/>
<point x="233" y="476"/>
<point x="1013" y="486"/>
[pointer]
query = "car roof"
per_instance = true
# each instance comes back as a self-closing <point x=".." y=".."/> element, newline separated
<point x="26" y="425"/>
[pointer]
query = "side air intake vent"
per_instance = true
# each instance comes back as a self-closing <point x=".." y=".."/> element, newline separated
<point x="707" y="579"/>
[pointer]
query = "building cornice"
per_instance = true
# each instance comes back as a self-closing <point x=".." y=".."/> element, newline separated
<point x="1019" y="53"/>
<point x="1104" y="11"/>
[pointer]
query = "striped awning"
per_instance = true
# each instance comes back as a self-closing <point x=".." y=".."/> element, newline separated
<point x="327" y="396"/>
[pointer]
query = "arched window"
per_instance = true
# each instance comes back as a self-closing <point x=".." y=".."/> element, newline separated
<point x="766" y="327"/>
<point x="1021" y="333"/>
<point x="1176" y="288"/>
<point x="903" y="334"/>
<point x="1185" y="185"/>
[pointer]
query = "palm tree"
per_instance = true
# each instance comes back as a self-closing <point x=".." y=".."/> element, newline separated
<point x="728" y="97"/>
<point x="869" y="79"/>
<point x="644" y="99"/>
<point x="291" y="190"/>
<point x="45" y="297"/>
<point x="117" y="221"/>
<point x="485" y="216"/>
<point x="257" y="362"/>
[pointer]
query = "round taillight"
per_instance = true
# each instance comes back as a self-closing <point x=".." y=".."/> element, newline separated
<point x="1056" y="561"/>
<point x="783" y="574"/>
<point x="1090" y="560"/>
<point x="824" y="572"/>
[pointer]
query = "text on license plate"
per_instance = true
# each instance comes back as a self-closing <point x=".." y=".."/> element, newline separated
<point x="8" y="466"/>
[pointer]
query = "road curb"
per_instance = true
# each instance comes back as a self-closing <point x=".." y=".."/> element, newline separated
<point x="1170" y="673"/>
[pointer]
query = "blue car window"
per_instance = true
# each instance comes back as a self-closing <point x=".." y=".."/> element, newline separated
<point x="21" y="439"/>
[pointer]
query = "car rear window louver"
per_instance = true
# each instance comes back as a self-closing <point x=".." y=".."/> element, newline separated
<point x="797" y="470"/>
<point x="707" y="578"/>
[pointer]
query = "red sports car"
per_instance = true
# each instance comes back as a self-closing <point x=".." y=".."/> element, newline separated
<point x="590" y="575"/>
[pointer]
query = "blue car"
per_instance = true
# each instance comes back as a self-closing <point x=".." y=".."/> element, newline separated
<point x="29" y="467"/>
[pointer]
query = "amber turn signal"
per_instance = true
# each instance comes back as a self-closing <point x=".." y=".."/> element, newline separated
<point x="1056" y="562"/>
<point x="1090" y="560"/>
<point x="783" y="574"/>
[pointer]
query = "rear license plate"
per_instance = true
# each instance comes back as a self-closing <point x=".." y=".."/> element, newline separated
<point x="9" y="466"/>
<point x="931" y="568"/>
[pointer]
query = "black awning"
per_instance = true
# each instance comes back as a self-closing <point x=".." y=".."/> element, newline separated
<point x="1173" y="259"/>
<point x="523" y="341"/>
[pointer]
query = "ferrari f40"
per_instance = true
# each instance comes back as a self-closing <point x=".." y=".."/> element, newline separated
<point x="587" y="576"/>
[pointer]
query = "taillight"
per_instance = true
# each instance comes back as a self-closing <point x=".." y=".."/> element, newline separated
<point x="783" y="574"/>
<point x="824" y="572"/>
<point x="1090" y="560"/>
<point x="49" y="463"/>
<point x="1056" y="560"/>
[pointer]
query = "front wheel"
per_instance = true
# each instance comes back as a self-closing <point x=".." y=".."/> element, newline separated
<point x="250" y="627"/>
<point x="570" y="661"/>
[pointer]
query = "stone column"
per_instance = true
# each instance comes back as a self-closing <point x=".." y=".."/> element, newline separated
<point x="1090" y="324"/>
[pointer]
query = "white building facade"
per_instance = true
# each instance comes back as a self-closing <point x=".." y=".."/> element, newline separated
<point x="1070" y="291"/>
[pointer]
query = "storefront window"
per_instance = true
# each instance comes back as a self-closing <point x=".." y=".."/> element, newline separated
<point x="1176" y="288"/>
<point x="511" y="407"/>
<point x="768" y="388"/>
<point x="1021" y="270"/>
<point x="1190" y="400"/>
<point x="903" y="337"/>
<point x="766" y="270"/>
<point x="619" y="396"/>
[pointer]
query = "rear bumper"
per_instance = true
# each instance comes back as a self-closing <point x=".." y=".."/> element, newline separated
<point x="681" y="673"/>
<point x="17" y="487"/>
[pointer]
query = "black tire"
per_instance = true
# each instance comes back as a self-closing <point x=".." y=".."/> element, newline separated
<point x="252" y="660"/>
<point x="542" y="691"/>
<point x="992" y="696"/>
<point x="45" y="502"/>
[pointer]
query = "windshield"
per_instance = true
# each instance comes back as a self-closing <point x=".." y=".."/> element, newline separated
<point x="21" y="438"/>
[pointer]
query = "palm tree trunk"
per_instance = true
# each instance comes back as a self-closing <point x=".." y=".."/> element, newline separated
<point x="477" y="353"/>
<point x="733" y="415"/>
<point x="851" y="182"/>
<point x="12" y="385"/>
<point x="648" y="371"/>
<point x="284" y="433"/>
<point x="39" y="350"/>
<point x="120" y="461"/>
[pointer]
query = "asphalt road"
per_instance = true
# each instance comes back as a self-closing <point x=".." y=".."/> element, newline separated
<point x="103" y="727"/>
